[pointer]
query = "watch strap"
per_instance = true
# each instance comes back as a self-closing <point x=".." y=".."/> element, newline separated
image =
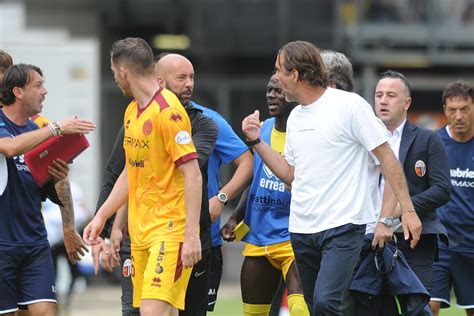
<point x="253" y="142"/>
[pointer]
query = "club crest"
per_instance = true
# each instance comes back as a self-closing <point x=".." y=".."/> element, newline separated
<point x="147" y="127"/>
<point x="127" y="268"/>
<point x="420" y="168"/>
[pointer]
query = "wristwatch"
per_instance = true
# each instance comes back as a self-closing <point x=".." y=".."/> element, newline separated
<point x="222" y="197"/>
<point x="253" y="142"/>
<point x="387" y="221"/>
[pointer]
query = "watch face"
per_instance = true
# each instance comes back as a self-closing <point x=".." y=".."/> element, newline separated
<point x="388" y="221"/>
<point x="222" y="197"/>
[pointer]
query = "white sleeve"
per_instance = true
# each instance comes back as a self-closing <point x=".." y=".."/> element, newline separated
<point x="366" y="127"/>
<point x="288" y="152"/>
<point x="3" y="174"/>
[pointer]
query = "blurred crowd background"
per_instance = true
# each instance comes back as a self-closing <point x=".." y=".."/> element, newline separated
<point x="232" y="45"/>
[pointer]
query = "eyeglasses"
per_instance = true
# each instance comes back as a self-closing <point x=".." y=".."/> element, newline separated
<point x="378" y="258"/>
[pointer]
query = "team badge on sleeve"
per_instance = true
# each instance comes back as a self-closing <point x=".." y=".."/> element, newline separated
<point x="147" y="127"/>
<point x="176" y="117"/>
<point x="420" y="168"/>
<point x="182" y="138"/>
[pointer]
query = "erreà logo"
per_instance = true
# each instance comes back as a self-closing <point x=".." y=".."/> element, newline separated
<point x="268" y="172"/>
<point x="176" y="117"/>
<point x="269" y="183"/>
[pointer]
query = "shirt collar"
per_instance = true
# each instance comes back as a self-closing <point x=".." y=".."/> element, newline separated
<point x="398" y="131"/>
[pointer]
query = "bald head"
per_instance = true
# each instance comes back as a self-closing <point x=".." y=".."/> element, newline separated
<point x="176" y="73"/>
<point x="171" y="62"/>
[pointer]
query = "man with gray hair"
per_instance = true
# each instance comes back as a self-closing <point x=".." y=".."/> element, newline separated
<point x="340" y="74"/>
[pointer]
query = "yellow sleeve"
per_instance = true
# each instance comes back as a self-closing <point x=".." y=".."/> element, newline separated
<point x="40" y="120"/>
<point x="175" y="129"/>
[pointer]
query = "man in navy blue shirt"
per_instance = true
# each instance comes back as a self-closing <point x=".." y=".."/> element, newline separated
<point x="27" y="276"/>
<point x="454" y="269"/>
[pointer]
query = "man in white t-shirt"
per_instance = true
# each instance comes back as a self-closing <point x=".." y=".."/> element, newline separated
<point x="326" y="155"/>
<point x="340" y="76"/>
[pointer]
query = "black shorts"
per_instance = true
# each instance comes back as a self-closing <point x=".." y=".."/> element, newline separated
<point x="215" y="274"/>
<point x="198" y="287"/>
<point x="126" y="282"/>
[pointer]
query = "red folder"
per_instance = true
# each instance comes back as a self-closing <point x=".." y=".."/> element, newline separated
<point x="64" y="147"/>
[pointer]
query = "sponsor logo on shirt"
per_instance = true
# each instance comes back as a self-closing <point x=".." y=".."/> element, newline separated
<point x="20" y="163"/>
<point x="269" y="200"/>
<point x="135" y="142"/>
<point x="136" y="163"/>
<point x="462" y="176"/>
<point x="182" y="138"/>
<point x="271" y="182"/>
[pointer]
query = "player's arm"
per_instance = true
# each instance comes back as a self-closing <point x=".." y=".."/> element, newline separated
<point x="116" y="199"/>
<point x="14" y="146"/>
<point x="393" y="173"/>
<point x="72" y="240"/>
<point x="383" y="233"/>
<point x="116" y="235"/>
<point x="227" y="231"/>
<point x="280" y="167"/>
<point x="113" y="169"/>
<point x="191" y="251"/>
<point x="276" y="162"/>
<point x="240" y="179"/>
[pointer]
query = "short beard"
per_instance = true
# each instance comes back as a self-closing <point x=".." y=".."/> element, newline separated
<point x="184" y="104"/>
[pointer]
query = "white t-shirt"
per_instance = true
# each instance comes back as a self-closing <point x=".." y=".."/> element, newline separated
<point x="328" y="143"/>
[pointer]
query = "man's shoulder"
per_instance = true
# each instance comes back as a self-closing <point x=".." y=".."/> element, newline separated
<point x="208" y="112"/>
<point x="345" y="96"/>
<point x="199" y="119"/>
<point x="430" y="135"/>
<point x="421" y="132"/>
